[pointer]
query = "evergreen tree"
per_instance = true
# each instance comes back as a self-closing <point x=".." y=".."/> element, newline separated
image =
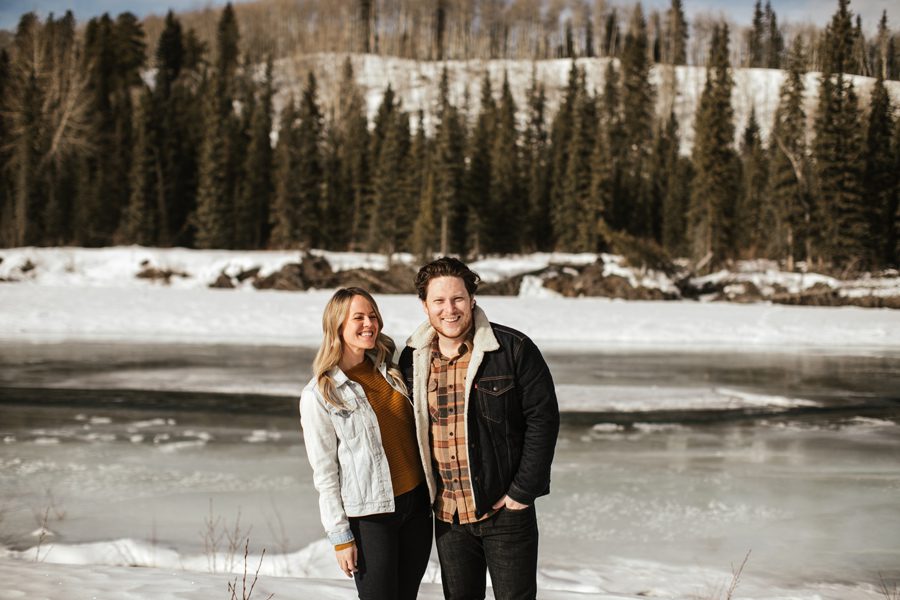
<point x="113" y="58"/>
<point x="336" y="212"/>
<point x="309" y="164"/>
<point x="354" y="155"/>
<point x="894" y="235"/>
<point x="221" y="147"/>
<point x="880" y="176"/>
<point x="139" y="225"/>
<point x="256" y="187"/>
<point x="612" y="36"/>
<point x="714" y="186"/>
<point x="6" y="189"/>
<point x="838" y="152"/>
<point x="751" y="231"/>
<point x="674" y="189"/>
<point x="755" y="37"/>
<point x="538" y="228"/>
<point x="676" y="35"/>
<point x="449" y="175"/>
<point x="505" y="214"/>
<point x="424" y="229"/>
<point x="561" y="133"/>
<point x="577" y="218"/>
<point x="480" y="173"/>
<point x="285" y="215"/>
<point x="789" y="211"/>
<point x="637" y="125"/>
<point x="607" y="181"/>
<point x="214" y="217"/>
<point x="393" y="202"/>
<point x="774" y="46"/>
<point x="21" y="106"/>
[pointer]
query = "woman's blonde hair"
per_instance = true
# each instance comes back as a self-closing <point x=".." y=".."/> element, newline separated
<point x="329" y="354"/>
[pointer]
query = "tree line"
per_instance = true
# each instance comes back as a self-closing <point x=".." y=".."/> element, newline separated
<point x="524" y="30"/>
<point x="98" y="149"/>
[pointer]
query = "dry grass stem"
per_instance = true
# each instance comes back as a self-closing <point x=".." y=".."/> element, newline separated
<point x="247" y="593"/>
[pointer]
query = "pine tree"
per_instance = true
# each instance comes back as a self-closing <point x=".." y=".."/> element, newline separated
<point x="309" y="164"/>
<point x="220" y="149"/>
<point x="607" y="181"/>
<point x="139" y="223"/>
<point x="561" y="133"/>
<point x="392" y="209"/>
<point x="449" y="176"/>
<point x="774" y="46"/>
<point x="751" y="231"/>
<point x="838" y="152"/>
<point x="424" y="229"/>
<point x="256" y="187"/>
<point x="637" y="124"/>
<point x="538" y="228"/>
<point x="790" y="212"/>
<point x="755" y="37"/>
<point x="354" y="155"/>
<point x="676" y="35"/>
<point x="674" y="185"/>
<point x="577" y="218"/>
<point x="505" y="214"/>
<point x="6" y="189"/>
<point x="479" y="174"/>
<point x="336" y="192"/>
<point x="214" y="217"/>
<point x="880" y="176"/>
<point x="714" y="186"/>
<point x="284" y="214"/>
<point x="893" y="240"/>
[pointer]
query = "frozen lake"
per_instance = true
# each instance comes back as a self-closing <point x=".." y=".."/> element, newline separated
<point x="671" y="466"/>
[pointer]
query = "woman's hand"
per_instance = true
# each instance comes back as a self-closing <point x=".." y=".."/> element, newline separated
<point x="347" y="560"/>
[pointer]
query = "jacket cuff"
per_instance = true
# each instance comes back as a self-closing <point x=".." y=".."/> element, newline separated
<point x="341" y="537"/>
<point x="520" y="495"/>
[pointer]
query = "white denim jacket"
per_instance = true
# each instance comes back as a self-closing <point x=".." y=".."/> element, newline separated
<point x="350" y="469"/>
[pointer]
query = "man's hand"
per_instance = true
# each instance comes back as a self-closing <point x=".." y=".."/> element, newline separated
<point x="509" y="503"/>
<point x="347" y="560"/>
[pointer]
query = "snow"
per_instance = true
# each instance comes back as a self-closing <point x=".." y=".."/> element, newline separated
<point x="72" y="294"/>
<point x="416" y="85"/>
<point x="92" y="295"/>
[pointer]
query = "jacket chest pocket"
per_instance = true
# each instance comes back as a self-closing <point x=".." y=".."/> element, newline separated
<point x="349" y="422"/>
<point x="494" y="394"/>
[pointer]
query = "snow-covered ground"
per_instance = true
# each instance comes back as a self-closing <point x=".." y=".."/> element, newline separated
<point x="655" y="483"/>
<point x="83" y="294"/>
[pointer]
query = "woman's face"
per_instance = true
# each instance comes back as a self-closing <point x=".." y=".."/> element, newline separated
<point x="360" y="328"/>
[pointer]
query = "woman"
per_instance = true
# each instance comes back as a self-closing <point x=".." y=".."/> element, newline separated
<point x="360" y="439"/>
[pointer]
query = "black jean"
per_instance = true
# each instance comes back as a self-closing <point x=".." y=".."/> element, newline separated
<point x="506" y="545"/>
<point x="393" y="548"/>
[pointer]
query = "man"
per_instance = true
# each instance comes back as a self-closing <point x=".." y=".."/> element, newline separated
<point x="487" y="421"/>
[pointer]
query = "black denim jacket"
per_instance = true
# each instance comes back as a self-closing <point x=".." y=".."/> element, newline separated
<point x="513" y="419"/>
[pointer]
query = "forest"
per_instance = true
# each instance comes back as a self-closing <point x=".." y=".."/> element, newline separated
<point x="164" y="132"/>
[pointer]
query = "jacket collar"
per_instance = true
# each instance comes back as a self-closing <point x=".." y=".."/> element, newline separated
<point x="483" y="340"/>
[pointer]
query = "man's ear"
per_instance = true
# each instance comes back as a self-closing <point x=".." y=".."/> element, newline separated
<point x="424" y="308"/>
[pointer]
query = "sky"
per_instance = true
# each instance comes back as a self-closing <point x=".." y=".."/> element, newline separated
<point x="740" y="12"/>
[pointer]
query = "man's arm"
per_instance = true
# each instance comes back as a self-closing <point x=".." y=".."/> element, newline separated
<point x="541" y="412"/>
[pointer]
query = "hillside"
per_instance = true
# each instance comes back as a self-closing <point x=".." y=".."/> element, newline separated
<point x="416" y="84"/>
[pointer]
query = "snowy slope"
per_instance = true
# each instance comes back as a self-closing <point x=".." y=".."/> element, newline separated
<point x="416" y="84"/>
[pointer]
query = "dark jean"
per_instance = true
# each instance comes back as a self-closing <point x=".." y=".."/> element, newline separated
<point x="393" y="548"/>
<point x="506" y="545"/>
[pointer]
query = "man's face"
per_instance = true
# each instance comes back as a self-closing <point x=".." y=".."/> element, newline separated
<point x="449" y="307"/>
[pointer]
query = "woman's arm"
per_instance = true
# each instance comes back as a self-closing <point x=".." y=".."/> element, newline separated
<point x="321" y="443"/>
